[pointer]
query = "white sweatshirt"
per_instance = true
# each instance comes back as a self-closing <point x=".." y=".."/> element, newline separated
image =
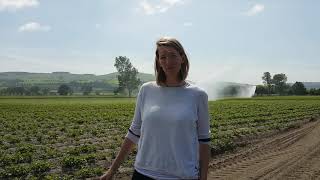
<point x="168" y="125"/>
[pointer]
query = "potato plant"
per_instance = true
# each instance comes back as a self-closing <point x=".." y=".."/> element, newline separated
<point x="77" y="138"/>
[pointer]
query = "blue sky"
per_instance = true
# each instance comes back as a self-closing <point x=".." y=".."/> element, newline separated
<point x="225" y="40"/>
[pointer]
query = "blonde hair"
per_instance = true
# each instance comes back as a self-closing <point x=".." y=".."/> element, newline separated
<point x="174" y="43"/>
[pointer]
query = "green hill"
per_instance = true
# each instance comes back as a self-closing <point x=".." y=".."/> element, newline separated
<point x="65" y="76"/>
<point x="53" y="80"/>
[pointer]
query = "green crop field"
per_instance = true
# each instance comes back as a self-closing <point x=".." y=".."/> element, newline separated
<point x="75" y="137"/>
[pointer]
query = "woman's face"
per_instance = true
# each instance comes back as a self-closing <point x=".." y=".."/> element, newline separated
<point x="170" y="60"/>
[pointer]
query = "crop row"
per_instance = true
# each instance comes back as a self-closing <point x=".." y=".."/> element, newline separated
<point x="77" y="138"/>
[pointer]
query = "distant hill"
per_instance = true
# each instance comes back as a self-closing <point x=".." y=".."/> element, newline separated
<point x="310" y="85"/>
<point x="112" y="77"/>
<point x="66" y="76"/>
<point x="55" y="78"/>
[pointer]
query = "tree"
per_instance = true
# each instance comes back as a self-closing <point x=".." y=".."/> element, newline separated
<point x="64" y="89"/>
<point x="298" y="88"/>
<point x="127" y="75"/>
<point x="34" y="90"/>
<point x="17" y="91"/>
<point x="45" y="91"/>
<point x="86" y="89"/>
<point x="3" y="92"/>
<point x="279" y="80"/>
<point x="11" y="91"/>
<point x="115" y="91"/>
<point x="260" y="90"/>
<point x="314" y="91"/>
<point x="98" y="92"/>
<point x="267" y="81"/>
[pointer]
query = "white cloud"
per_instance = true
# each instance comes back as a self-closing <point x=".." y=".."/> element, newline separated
<point x="187" y="24"/>
<point x="33" y="27"/>
<point x="147" y="8"/>
<point x="160" y="7"/>
<point x="257" y="8"/>
<point x="12" y="5"/>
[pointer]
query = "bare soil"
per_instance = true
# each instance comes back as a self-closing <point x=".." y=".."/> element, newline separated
<point x="294" y="154"/>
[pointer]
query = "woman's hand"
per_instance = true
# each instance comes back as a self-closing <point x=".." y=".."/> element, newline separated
<point x="203" y="178"/>
<point x="126" y="148"/>
<point x="107" y="176"/>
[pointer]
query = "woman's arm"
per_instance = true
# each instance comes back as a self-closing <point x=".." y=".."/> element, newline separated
<point x="130" y="140"/>
<point x="204" y="151"/>
<point x="126" y="148"/>
<point x="203" y="124"/>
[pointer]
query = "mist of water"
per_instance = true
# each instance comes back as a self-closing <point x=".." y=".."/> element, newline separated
<point x="221" y="83"/>
<point x="217" y="90"/>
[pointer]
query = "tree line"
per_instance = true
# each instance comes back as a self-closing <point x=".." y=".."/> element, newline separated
<point x="128" y="83"/>
<point x="63" y="89"/>
<point x="277" y="85"/>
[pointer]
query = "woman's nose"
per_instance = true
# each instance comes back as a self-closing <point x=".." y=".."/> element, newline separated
<point x="170" y="62"/>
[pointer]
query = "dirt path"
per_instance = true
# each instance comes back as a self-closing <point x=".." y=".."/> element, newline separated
<point x="292" y="155"/>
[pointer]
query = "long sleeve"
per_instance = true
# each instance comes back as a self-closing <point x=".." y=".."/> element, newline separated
<point x="134" y="130"/>
<point x="203" y="123"/>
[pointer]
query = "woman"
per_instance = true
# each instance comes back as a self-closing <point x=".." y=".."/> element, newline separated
<point x="170" y="124"/>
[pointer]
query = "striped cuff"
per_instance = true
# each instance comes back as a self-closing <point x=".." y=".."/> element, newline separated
<point x="133" y="133"/>
<point x="133" y="137"/>
<point x="204" y="141"/>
